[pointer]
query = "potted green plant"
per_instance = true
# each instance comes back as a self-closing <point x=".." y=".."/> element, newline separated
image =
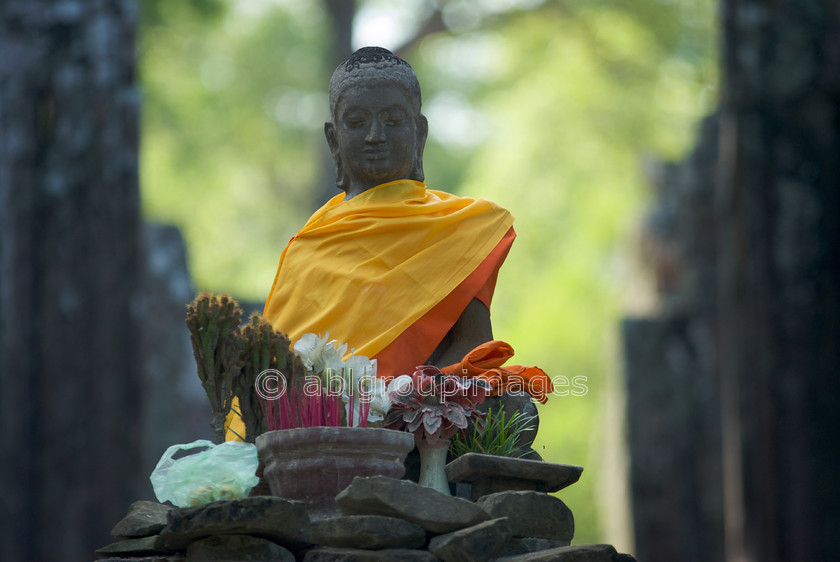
<point x="500" y="434"/>
<point x="489" y="459"/>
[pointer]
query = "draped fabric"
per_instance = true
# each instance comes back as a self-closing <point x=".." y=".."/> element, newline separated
<point x="485" y="362"/>
<point x="368" y="268"/>
<point x="417" y="343"/>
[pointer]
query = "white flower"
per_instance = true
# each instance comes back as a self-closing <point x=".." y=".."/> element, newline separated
<point x="356" y="375"/>
<point x="359" y="366"/>
<point x="380" y="402"/>
<point x="360" y="379"/>
<point x="310" y="348"/>
<point x="319" y="354"/>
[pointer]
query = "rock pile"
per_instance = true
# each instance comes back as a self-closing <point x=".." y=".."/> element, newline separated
<point x="382" y="519"/>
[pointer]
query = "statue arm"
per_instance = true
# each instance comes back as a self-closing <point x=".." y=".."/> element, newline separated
<point x="472" y="329"/>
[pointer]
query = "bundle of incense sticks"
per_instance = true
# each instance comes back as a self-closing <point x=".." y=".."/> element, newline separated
<point x="310" y="404"/>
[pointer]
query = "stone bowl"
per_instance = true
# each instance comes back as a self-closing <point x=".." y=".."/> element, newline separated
<point x="314" y="464"/>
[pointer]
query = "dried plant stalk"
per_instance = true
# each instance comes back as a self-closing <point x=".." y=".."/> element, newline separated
<point x="230" y="358"/>
<point x="213" y="322"/>
<point x="263" y="348"/>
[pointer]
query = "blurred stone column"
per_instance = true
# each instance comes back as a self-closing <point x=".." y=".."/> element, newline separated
<point x="673" y="387"/>
<point x="673" y="432"/>
<point x="778" y="245"/>
<point x="69" y="213"/>
<point x="762" y="273"/>
<point x="175" y="407"/>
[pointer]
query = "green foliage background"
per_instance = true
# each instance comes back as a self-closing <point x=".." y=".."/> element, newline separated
<point x="547" y="107"/>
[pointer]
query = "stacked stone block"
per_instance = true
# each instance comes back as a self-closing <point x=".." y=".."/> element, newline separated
<point x="382" y="519"/>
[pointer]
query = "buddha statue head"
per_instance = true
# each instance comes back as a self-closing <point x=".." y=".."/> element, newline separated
<point x="376" y="132"/>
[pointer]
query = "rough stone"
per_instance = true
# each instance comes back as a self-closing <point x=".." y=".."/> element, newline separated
<point x="139" y="546"/>
<point x="428" y="508"/>
<point x="282" y="521"/>
<point x="170" y="558"/>
<point x="144" y="518"/>
<point x="366" y="531"/>
<point x="670" y="386"/>
<point x="237" y="547"/>
<point x="328" y="554"/>
<point x="578" y="553"/>
<point x="474" y="544"/>
<point x="526" y="545"/>
<point x="489" y="474"/>
<point x="532" y="514"/>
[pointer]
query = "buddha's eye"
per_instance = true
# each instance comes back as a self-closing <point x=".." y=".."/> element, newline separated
<point x="394" y="118"/>
<point x="354" y="120"/>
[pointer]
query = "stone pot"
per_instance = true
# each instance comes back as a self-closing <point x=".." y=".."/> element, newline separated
<point x="313" y="464"/>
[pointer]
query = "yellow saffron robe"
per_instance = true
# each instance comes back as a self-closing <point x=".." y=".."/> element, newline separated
<point x="367" y="268"/>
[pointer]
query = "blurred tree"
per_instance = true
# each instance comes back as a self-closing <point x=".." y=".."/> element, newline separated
<point x="69" y="217"/>
<point x="233" y="113"/>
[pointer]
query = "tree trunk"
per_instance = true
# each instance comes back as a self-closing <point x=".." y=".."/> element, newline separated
<point x="341" y="14"/>
<point x="69" y="212"/>
<point x="777" y="199"/>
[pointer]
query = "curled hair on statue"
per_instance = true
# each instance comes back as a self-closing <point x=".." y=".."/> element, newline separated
<point x="374" y="65"/>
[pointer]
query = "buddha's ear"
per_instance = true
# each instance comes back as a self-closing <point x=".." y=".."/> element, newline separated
<point x="422" y="130"/>
<point x="332" y="141"/>
<point x="417" y="173"/>
<point x="329" y="132"/>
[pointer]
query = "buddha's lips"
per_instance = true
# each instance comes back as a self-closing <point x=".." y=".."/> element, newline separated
<point x="375" y="154"/>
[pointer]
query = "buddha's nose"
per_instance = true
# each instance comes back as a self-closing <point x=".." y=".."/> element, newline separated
<point x="376" y="132"/>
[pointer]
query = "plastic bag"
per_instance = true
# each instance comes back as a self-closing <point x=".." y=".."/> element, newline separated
<point x="220" y="472"/>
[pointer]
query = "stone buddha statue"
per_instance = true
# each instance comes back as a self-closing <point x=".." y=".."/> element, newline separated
<point x="402" y="273"/>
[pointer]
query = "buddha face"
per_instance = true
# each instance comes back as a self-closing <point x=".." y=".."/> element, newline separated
<point x="376" y="138"/>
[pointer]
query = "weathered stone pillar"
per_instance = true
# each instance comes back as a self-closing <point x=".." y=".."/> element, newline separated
<point x="175" y="407"/>
<point x="778" y="197"/>
<point x="673" y="386"/>
<point x="674" y="441"/>
<point x="69" y="212"/>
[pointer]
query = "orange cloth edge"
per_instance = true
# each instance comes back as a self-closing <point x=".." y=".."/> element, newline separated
<point x="414" y="346"/>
